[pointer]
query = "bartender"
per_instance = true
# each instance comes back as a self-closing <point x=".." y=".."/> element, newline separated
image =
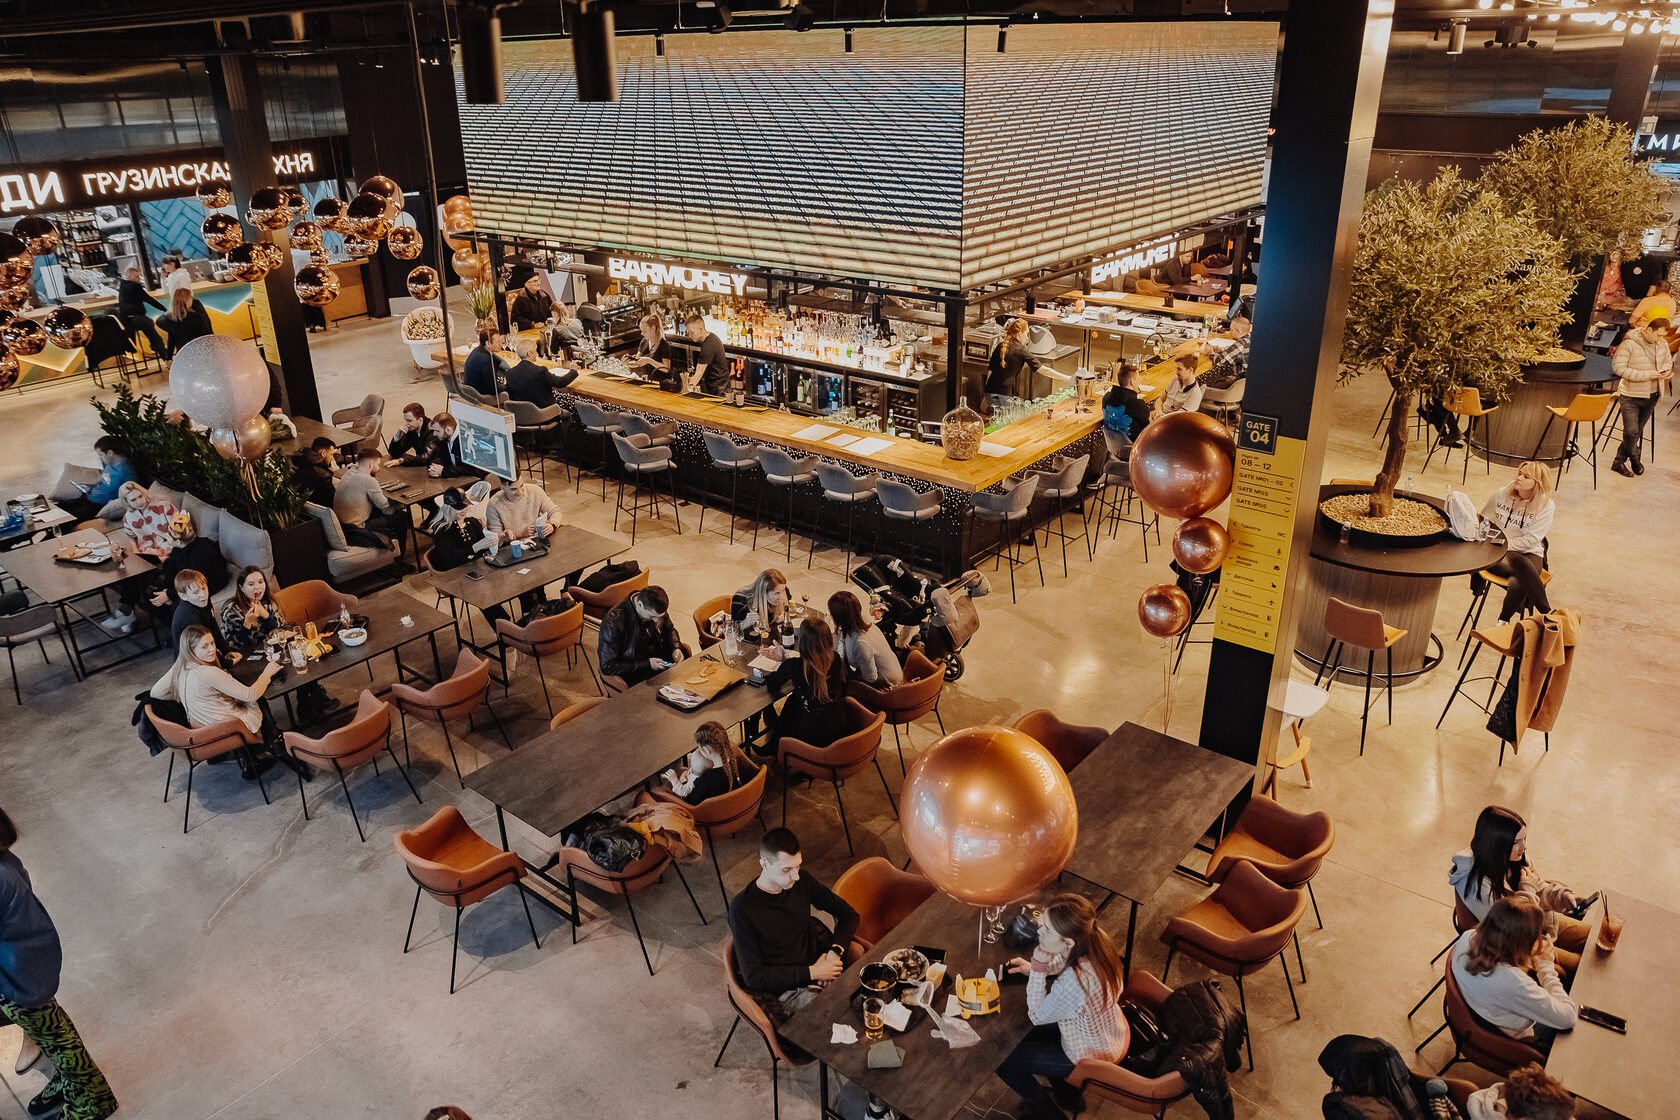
<point x="531" y="306"/>
<point x="711" y="366"/>
<point x="653" y="353"/>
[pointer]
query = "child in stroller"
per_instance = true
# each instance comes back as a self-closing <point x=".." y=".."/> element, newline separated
<point x="918" y="609"/>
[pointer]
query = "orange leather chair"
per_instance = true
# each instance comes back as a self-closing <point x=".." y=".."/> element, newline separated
<point x="638" y="876"/>
<point x="883" y="896"/>
<point x="918" y="695"/>
<point x="1463" y="920"/>
<point x="596" y="604"/>
<point x="355" y="744"/>
<point x="458" y="867"/>
<point x="1476" y="1040"/>
<point x="548" y="636"/>
<point x="201" y="744"/>
<point x="724" y="815"/>
<point x="747" y="1008"/>
<point x="1286" y="847"/>
<point x="1068" y="743"/>
<point x="1131" y="1091"/>
<point x="313" y="600"/>
<point x="703" y="620"/>
<point x="572" y="711"/>
<point x="846" y="756"/>
<point x="466" y="689"/>
<point x="1237" y="930"/>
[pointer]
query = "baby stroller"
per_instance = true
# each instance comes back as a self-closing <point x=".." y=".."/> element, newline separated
<point x="920" y="609"/>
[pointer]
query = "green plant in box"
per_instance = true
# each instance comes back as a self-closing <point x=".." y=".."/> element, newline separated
<point x="481" y="297"/>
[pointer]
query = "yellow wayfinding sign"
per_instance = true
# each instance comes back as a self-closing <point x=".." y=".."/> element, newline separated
<point x="1268" y="478"/>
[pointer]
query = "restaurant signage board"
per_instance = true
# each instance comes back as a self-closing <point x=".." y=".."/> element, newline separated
<point x="682" y="276"/>
<point x="1262" y="519"/>
<point x="79" y="184"/>
<point x="1135" y="260"/>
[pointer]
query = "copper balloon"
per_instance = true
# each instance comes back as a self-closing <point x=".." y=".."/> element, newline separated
<point x="457" y="204"/>
<point x="468" y="265"/>
<point x="12" y="247"/>
<point x="454" y="227"/>
<point x="222" y="233"/>
<point x="404" y="242"/>
<point x="423" y="282"/>
<point x="1164" y="610"/>
<point x="306" y="235"/>
<point x="246" y="264"/>
<point x="8" y="371"/>
<point x="39" y="235"/>
<point x="226" y="442"/>
<point x="253" y="436"/>
<point x="23" y="337"/>
<point x="1200" y="545"/>
<point x="215" y="195"/>
<point x="315" y="285"/>
<point x="1183" y="463"/>
<point x="268" y="209"/>
<point x="368" y="217"/>
<point x="16" y="271"/>
<point x="329" y="212"/>
<point x="67" y="327"/>
<point x="360" y="246"/>
<point x="13" y="298"/>
<point x="271" y="255"/>
<point x="988" y="815"/>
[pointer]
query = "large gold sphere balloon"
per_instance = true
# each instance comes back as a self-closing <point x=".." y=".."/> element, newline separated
<point x="11" y="247"/>
<point x="423" y="282"/>
<point x="468" y="265"/>
<point x="1183" y="463"/>
<point x="1164" y="610"/>
<point x="246" y="264"/>
<point x="14" y="297"/>
<point x="270" y="254"/>
<point x="23" y="337"/>
<point x="8" y="371"/>
<point x="360" y="246"/>
<point x="39" y="235"/>
<point x="294" y="199"/>
<point x="67" y="327"/>
<point x="315" y="285"/>
<point x="454" y="227"/>
<point x="15" y="271"/>
<point x="268" y="209"/>
<point x="215" y="195"/>
<point x="457" y="204"/>
<point x="223" y="233"/>
<point x="404" y="242"/>
<point x="1200" y="545"/>
<point x="988" y="815"/>
<point x="307" y="235"/>
<point x="329" y="213"/>
<point x="367" y="216"/>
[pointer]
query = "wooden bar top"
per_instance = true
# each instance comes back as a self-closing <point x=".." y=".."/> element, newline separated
<point x="1132" y="301"/>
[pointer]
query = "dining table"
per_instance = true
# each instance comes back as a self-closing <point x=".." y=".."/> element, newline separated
<point x="66" y="584"/>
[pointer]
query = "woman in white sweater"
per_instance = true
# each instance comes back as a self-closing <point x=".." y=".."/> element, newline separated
<point x="868" y="653"/>
<point x="1508" y="974"/>
<point x="210" y="694"/>
<point x="1523" y="511"/>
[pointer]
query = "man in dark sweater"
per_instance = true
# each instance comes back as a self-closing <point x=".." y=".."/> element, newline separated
<point x="483" y="365"/>
<point x="132" y="298"/>
<point x="784" y="953"/>
<point x="192" y="608"/>
<point x="532" y="383"/>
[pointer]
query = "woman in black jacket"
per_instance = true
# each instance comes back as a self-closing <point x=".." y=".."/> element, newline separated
<point x="815" y="686"/>
<point x="185" y="321"/>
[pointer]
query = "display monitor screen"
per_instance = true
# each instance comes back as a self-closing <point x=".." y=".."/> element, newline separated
<point x="486" y="436"/>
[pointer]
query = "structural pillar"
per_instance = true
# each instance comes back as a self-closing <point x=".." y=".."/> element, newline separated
<point x="1636" y="66"/>
<point x="236" y="89"/>
<point x="1329" y="79"/>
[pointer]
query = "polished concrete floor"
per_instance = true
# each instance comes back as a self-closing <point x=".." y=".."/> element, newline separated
<point x="252" y="968"/>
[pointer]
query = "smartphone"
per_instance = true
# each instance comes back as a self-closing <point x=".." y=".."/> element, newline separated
<point x="475" y="575"/>
<point x="1583" y="906"/>
<point x="1604" y="1019"/>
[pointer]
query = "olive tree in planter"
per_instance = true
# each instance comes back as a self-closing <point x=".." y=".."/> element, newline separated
<point x="1449" y="285"/>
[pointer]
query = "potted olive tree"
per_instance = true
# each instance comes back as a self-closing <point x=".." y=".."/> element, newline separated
<point x="1450" y="284"/>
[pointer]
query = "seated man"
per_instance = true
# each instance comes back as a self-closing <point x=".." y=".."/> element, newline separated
<point x="1529" y="1093"/>
<point x="192" y="553"/>
<point x="1183" y="393"/>
<point x="637" y="639"/>
<point x="192" y="608"/>
<point x="521" y="511"/>
<point x="316" y="470"/>
<point x="362" y="507"/>
<point x="441" y="456"/>
<point x="114" y="470"/>
<point x="484" y="367"/>
<point x="783" y="954"/>
<point x="532" y="383"/>
<point x="412" y="437"/>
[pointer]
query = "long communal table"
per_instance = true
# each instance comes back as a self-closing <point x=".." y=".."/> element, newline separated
<point x="65" y="585"/>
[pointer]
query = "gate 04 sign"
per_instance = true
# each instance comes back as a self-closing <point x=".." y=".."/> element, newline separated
<point x="1268" y="480"/>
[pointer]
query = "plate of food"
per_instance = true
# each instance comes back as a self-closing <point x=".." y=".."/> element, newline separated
<point x="911" y="964"/>
<point x="352" y="635"/>
<point x="77" y="553"/>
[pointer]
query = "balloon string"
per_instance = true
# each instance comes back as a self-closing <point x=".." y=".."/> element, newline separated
<point x="1166" y="683"/>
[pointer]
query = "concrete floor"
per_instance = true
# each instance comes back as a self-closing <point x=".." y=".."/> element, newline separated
<point x="252" y="968"/>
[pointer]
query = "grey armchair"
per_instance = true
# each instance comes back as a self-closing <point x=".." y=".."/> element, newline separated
<point x="644" y="464"/>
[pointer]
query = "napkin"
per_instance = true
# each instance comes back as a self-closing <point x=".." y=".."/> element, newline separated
<point x="843" y="1035"/>
<point x="896" y="1016"/>
<point x="884" y="1055"/>
<point x="680" y="696"/>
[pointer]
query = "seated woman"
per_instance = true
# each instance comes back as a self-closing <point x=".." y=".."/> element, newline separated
<point x="1523" y="510"/>
<point x="147" y="522"/>
<point x="715" y="766"/>
<point x="251" y="615"/>
<point x="1073" y="991"/>
<point x="1496" y="866"/>
<point x="760" y="608"/>
<point x="868" y="653"/>
<point x="1507" y="970"/>
<point x="456" y="537"/>
<point x="210" y="694"/>
<point x="815" y="686"/>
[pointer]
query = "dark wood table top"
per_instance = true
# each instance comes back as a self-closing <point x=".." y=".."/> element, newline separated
<point x="385" y="611"/>
<point x="569" y="549"/>
<point x="1144" y="800"/>
<point x="59" y="581"/>
<point x="416" y="479"/>
<point x="1631" y="1075"/>
<point x="1204" y="290"/>
<point x="308" y="431"/>
<point x="935" y="1081"/>
<point x="562" y="774"/>
<point x="1595" y="369"/>
<point x="1447" y="557"/>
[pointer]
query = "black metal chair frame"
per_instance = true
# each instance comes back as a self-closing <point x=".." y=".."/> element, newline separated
<point x="639" y="483"/>
<point x="318" y="759"/>
<point x="11" y="658"/>
<point x="455" y="896"/>
<point x="1009" y="544"/>
<point x="790" y="526"/>
<point x="1112" y="509"/>
<point x="193" y="764"/>
<point x="402" y="717"/>
<point x="1240" y="968"/>
<point x="734" y="495"/>
<point x="787" y="780"/>
<point x="573" y="651"/>
<point x="1328" y="664"/>
<point x="571" y="887"/>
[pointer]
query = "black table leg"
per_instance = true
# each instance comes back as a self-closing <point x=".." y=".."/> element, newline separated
<point x="1131" y="931"/>
<point x="501" y="826"/>
<point x="437" y="665"/>
<point x="822" y="1083"/>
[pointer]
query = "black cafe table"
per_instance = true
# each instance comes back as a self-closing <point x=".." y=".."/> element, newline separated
<point x="1518" y="429"/>
<point x="308" y="431"/>
<point x="483" y="584"/>
<point x="935" y="1082"/>
<point x="1630" y="1075"/>
<point x="1146" y="799"/>
<point x="66" y="585"/>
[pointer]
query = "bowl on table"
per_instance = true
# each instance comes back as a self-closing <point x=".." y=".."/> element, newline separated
<point x="911" y="964"/>
<point x="353" y="635"/>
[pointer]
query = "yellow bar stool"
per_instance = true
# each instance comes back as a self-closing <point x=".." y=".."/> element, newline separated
<point x="1364" y="629"/>
<point x="1587" y="408"/>
<point x="1468" y="404"/>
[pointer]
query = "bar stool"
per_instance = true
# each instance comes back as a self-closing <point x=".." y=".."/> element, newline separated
<point x="1004" y="510"/>
<point x="902" y="503"/>
<point x="1587" y="408"/>
<point x="1479" y="597"/>
<point x="644" y="465"/>
<point x="1114" y="494"/>
<point x="782" y="469"/>
<point x="1065" y="481"/>
<point x="1349" y="625"/>
<point x="1468" y="404"/>
<point x="597" y="421"/>
<point x="1506" y="649"/>
<point x="533" y="430"/>
<point x="731" y="458"/>
<point x="841" y="485"/>
<point x="1382" y="420"/>
<point x="662" y="433"/>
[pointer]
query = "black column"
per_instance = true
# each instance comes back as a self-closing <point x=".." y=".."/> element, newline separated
<point x="236" y="89"/>
<point x="1636" y="65"/>
<point x="1329" y="78"/>
<point x="956" y="319"/>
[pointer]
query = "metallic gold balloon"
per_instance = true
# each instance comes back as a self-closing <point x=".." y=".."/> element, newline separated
<point x="39" y="235"/>
<point x="367" y="216"/>
<point x="329" y="212"/>
<point x="1200" y="545"/>
<point x="315" y="285"/>
<point x="988" y="815"/>
<point x="468" y="265"/>
<point x="215" y="195"/>
<point x="268" y="209"/>
<point x="14" y="297"/>
<point x="1164" y="610"/>
<point x="360" y="246"/>
<point x="12" y="247"/>
<point x="453" y="227"/>
<point x="253" y="436"/>
<point x="218" y="380"/>
<point x="222" y="233"/>
<point x="16" y="271"/>
<point x="226" y="442"/>
<point x="404" y="242"/>
<point x="294" y="199"/>
<point x="1183" y="463"/>
<point x="270" y="254"/>
<point x="457" y="204"/>
<point x="67" y="327"/>
<point x="423" y="282"/>
<point x="8" y="371"/>
<point x="23" y="337"/>
<point x="247" y="264"/>
<point x="307" y="235"/>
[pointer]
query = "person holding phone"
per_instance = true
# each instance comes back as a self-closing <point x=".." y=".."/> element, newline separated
<point x="115" y="469"/>
<point x="1506" y="969"/>
<point x="1495" y="866"/>
<point x="637" y="639"/>
<point x="715" y="766"/>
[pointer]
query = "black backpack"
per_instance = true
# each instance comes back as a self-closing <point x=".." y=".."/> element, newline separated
<point x="604" y="577"/>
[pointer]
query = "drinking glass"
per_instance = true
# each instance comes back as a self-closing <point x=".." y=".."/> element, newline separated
<point x="1610" y="929"/>
<point x="872" y="1008"/>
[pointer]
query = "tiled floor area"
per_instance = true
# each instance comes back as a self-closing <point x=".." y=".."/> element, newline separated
<point x="252" y="968"/>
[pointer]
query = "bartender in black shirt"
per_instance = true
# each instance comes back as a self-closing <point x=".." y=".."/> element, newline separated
<point x="711" y="366"/>
<point x="132" y="298"/>
<point x="532" y="306"/>
<point x="653" y="353"/>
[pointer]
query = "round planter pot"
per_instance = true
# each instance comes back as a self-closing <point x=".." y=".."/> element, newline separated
<point x="1369" y="538"/>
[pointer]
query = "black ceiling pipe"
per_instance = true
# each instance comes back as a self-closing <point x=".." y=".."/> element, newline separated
<point x="594" y="57"/>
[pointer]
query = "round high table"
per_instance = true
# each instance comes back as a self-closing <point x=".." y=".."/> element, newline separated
<point x="1403" y="583"/>
<point x="1513" y="432"/>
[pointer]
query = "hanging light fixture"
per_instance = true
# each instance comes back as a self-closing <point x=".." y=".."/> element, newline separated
<point x="329" y="215"/>
<point x="222" y="232"/>
<point x="368" y="216"/>
<point x="270" y="254"/>
<point x="14" y="297"/>
<point x="23" y="337"/>
<point x="39" y="235"/>
<point x="404" y="242"/>
<point x="245" y="264"/>
<point x="307" y="235"/>
<point x="316" y="285"/>
<point x="67" y="328"/>
<point x="423" y="282"/>
<point x="268" y="209"/>
<point x="16" y="270"/>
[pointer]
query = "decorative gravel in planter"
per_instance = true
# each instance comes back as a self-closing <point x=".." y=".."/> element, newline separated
<point x="1406" y="518"/>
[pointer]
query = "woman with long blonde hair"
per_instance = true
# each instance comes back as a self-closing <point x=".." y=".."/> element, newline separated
<point x="1522" y="509"/>
<point x="185" y="320"/>
<point x="761" y="606"/>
